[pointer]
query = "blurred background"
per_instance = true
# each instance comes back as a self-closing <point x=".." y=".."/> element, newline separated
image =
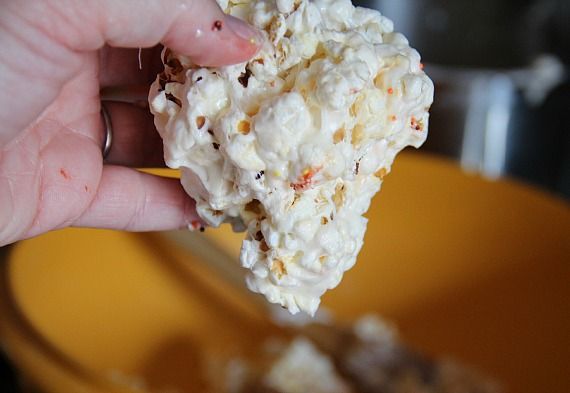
<point x="502" y="91"/>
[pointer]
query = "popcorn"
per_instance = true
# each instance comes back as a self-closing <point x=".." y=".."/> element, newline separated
<point x="292" y="145"/>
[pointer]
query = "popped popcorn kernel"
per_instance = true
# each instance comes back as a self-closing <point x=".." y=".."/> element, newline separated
<point x="299" y="138"/>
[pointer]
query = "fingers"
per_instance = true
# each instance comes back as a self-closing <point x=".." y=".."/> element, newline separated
<point x="136" y="142"/>
<point x="44" y="44"/>
<point x="130" y="200"/>
<point x="197" y="28"/>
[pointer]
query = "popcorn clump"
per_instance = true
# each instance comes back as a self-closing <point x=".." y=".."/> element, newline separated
<point x="292" y="145"/>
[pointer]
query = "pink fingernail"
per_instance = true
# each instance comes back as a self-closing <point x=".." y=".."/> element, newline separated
<point x="240" y="28"/>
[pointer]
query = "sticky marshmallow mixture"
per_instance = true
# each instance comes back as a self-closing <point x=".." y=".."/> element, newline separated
<point x="292" y="145"/>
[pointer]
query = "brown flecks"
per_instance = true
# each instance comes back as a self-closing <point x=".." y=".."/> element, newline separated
<point x="338" y="135"/>
<point x="243" y="127"/>
<point x="217" y="213"/>
<point x="243" y="79"/>
<point x="258" y="236"/>
<point x="202" y="229"/>
<point x="278" y="268"/>
<point x="322" y="259"/>
<point x="393" y="118"/>
<point x="296" y="197"/>
<point x="324" y="221"/>
<point x="357" y="134"/>
<point x="162" y="80"/>
<point x="288" y="34"/>
<point x="381" y="173"/>
<point x="211" y="132"/>
<point x="86" y="188"/>
<point x="416" y="124"/>
<point x="200" y="121"/>
<point x="259" y="175"/>
<point x="331" y="216"/>
<point x="338" y="196"/>
<point x="254" y="207"/>
<point x="263" y="246"/>
<point x="216" y="146"/>
<point x="198" y="79"/>
<point x="217" y="26"/>
<point x="175" y="65"/>
<point x="357" y="168"/>
<point x="259" y="61"/>
<point x="170" y="97"/>
<point x="64" y="174"/>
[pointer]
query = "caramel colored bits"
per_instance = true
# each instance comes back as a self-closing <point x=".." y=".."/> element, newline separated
<point x="278" y="268"/>
<point x="338" y="136"/>
<point x="393" y="118"/>
<point x="253" y="111"/>
<point x="254" y="207"/>
<point x="263" y="246"/>
<point x="243" y="127"/>
<point x="200" y="121"/>
<point x="338" y="196"/>
<point x="322" y="259"/>
<point x="357" y="134"/>
<point x="379" y="80"/>
<point x="324" y="221"/>
<point x="170" y="97"/>
<point x="381" y="173"/>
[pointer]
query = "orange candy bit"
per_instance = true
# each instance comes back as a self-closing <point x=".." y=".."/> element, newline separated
<point x="306" y="178"/>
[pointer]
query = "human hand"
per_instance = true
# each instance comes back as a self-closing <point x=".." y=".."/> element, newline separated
<point x="55" y="58"/>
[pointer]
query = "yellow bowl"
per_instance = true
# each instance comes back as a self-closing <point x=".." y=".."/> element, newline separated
<point x="466" y="267"/>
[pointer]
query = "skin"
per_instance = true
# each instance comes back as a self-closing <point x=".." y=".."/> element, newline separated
<point x="57" y="57"/>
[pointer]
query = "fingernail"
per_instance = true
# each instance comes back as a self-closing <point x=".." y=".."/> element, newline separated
<point x="243" y="30"/>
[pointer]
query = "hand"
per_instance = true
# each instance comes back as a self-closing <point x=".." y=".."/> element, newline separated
<point x="55" y="58"/>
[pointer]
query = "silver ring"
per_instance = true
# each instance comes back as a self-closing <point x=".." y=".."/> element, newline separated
<point x="108" y="141"/>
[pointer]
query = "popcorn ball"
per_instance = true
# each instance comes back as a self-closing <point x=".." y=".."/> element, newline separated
<point x="291" y="146"/>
